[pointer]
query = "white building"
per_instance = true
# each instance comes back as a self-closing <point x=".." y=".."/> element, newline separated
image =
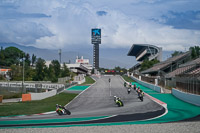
<point x="81" y="66"/>
<point x="85" y="63"/>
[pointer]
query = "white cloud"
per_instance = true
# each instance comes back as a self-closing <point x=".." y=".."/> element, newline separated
<point x="125" y="23"/>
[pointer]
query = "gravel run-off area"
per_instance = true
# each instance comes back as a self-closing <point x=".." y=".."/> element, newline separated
<point x="180" y="127"/>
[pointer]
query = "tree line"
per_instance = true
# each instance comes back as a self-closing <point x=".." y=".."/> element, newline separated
<point x="34" y="68"/>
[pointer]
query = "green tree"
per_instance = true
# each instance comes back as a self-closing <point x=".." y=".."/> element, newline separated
<point x="29" y="73"/>
<point x="65" y="71"/>
<point x="197" y="50"/>
<point x="176" y="53"/>
<point x="51" y="74"/>
<point x="39" y="70"/>
<point x="12" y="55"/>
<point x="2" y="57"/>
<point x="16" y="72"/>
<point x="33" y="59"/>
<point x="56" y="67"/>
<point x="27" y="59"/>
<point x="148" y="64"/>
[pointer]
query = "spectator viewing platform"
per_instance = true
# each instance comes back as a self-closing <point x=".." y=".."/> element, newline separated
<point x="145" y="51"/>
<point x="169" y="65"/>
<point x="184" y="68"/>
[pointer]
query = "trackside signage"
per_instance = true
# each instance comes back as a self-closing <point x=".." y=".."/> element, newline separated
<point x="96" y="36"/>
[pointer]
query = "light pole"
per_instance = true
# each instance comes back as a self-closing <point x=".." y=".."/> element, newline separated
<point x="23" y="91"/>
<point x="59" y="52"/>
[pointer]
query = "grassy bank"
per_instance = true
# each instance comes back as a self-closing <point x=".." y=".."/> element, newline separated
<point x="88" y="81"/>
<point x="128" y="79"/>
<point x="34" y="107"/>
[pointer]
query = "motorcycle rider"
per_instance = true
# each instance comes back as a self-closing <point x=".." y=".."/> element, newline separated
<point x="61" y="108"/>
<point x="138" y="90"/>
<point x="129" y="90"/>
<point x="124" y="84"/>
<point x="130" y="84"/>
<point x="134" y="87"/>
<point x="118" y="101"/>
<point x="140" y="95"/>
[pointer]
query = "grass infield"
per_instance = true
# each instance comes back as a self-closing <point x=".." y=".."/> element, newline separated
<point x="35" y="107"/>
<point x="128" y="79"/>
<point x="88" y="81"/>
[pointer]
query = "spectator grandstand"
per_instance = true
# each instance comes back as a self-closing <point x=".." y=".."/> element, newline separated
<point x="189" y="81"/>
<point x="184" y="68"/>
<point x="167" y="66"/>
<point x="178" y="72"/>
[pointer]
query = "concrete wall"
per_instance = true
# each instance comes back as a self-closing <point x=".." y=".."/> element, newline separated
<point x="148" y="85"/>
<point x="32" y="85"/>
<point x="79" y="79"/>
<point x="39" y="96"/>
<point x="187" y="97"/>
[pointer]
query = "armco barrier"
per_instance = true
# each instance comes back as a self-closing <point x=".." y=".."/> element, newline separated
<point x="40" y="96"/>
<point x="187" y="97"/>
<point x="151" y="86"/>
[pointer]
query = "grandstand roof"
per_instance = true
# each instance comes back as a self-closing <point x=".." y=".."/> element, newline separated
<point x="183" y="68"/>
<point x="138" y="50"/>
<point x="193" y="62"/>
<point x="164" y="64"/>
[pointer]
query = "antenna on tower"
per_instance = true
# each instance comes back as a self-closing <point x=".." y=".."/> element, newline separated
<point x="59" y="52"/>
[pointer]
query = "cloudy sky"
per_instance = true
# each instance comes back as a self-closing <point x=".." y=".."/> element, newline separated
<point x="66" y="24"/>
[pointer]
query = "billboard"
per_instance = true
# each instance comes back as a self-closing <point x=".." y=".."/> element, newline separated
<point x="82" y="61"/>
<point x="96" y="36"/>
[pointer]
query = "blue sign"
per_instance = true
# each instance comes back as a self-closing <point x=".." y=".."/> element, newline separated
<point x="96" y="36"/>
<point x="96" y="32"/>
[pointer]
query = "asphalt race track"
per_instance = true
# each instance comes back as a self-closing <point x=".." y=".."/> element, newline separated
<point x="97" y="101"/>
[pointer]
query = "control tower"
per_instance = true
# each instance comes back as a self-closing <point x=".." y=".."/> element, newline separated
<point x="96" y="40"/>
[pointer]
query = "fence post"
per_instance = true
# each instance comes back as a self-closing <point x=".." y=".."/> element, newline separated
<point x="156" y="82"/>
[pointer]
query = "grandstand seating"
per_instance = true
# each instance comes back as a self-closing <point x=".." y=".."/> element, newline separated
<point x="163" y="66"/>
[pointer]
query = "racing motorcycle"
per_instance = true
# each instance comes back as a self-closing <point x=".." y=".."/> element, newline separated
<point x="141" y="96"/>
<point x="118" y="101"/>
<point x="62" y="110"/>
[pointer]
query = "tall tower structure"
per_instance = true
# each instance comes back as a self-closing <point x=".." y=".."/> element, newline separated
<point x="96" y="40"/>
<point x="59" y="52"/>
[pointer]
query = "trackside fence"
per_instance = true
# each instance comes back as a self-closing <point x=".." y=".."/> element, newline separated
<point x="188" y="83"/>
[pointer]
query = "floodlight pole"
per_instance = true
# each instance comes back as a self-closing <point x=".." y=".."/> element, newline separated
<point x="23" y="77"/>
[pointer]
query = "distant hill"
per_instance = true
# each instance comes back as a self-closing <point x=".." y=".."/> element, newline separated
<point x="109" y="57"/>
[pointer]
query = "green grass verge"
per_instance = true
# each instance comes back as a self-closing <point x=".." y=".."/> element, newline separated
<point x="128" y="79"/>
<point x="34" y="107"/>
<point x="88" y="80"/>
